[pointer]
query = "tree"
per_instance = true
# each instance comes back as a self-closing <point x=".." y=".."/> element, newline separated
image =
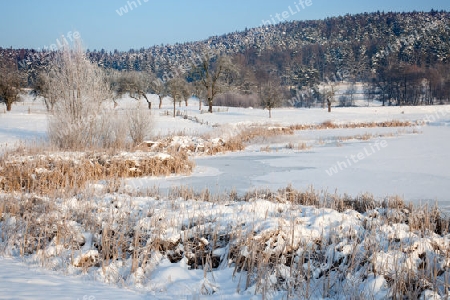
<point x="175" y="88"/>
<point x="271" y="95"/>
<point x="135" y="84"/>
<point x="199" y="92"/>
<point x="369" y="92"/>
<point x="45" y="80"/>
<point x="80" y="87"/>
<point x="211" y="73"/>
<point x="158" y="87"/>
<point x="11" y="81"/>
<point x="306" y="80"/>
<point x="329" y="94"/>
<point x="351" y="91"/>
<point x="186" y="91"/>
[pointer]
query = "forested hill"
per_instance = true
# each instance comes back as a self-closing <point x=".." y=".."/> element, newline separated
<point x="365" y="47"/>
<point x="353" y="43"/>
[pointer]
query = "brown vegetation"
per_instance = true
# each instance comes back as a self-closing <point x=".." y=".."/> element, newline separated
<point x="55" y="171"/>
<point x="138" y="239"/>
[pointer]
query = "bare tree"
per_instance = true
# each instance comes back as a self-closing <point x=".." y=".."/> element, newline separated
<point x="11" y="81"/>
<point x="175" y="90"/>
<point x="135" y="84"/>
<point x="351" y="91"/>
<point x="329" y="93"/>
<point x="271" y="95"/>
<point x="186" y="91"/>
<point x="45" y="80"/>
<point x="158" y="87"/>
<point x="199" y="92"/>
<point x="213" y="73"/>
<point x="369" y="92"/>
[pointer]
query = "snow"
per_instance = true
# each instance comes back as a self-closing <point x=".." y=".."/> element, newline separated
<point x="28" y="122"/>
<point x="268" y="221"/>
<point x="413" y="164"/>
<point x="21" y="281"/>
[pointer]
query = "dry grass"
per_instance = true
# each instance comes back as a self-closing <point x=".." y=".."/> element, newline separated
<point x="244" y="135"/>
<point x="368" y="136"/>
<point x="331" y="125"/>
<point x="303" y="146"/>
<point x="241" y="137"/>
<point x="61" y="170"/>
<point x="261" y="133"/>
<point x="266" y="149"/>
<point x="299" y="146"/>
<point x="291" y="262"/>
<point x="360" y="137"/>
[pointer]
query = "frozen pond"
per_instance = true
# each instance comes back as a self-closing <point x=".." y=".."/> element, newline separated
<point x="413" y="166"/>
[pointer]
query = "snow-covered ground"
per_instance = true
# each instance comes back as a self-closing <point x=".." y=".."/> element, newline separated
<point x="410" y="162"/>
<point x="413" y="164"/>
<point x="27" y="122"/>
<point x="21" y="281"/>
<point x="338" y="249"/>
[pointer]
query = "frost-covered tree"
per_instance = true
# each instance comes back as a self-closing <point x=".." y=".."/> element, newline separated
<point x="158" y="87"/>
<point x="175" y="89"/>
<point x="80" y="88"/>
<point x="350" y="94"/>
<point x="135" y="84"/>
<point x="186" y="91"/>
<point x="199" y="92"/>
<point x="11" y="81"/>
<point x="44" y="85"/>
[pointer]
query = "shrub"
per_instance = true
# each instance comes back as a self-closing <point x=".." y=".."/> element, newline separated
<point x="79" y="87"/>
<point x="139" y="124"/>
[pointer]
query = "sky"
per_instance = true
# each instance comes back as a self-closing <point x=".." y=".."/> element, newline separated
<point x="135" y="24"/>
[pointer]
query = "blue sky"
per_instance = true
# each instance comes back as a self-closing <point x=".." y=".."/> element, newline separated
<point x="38" y="24"/>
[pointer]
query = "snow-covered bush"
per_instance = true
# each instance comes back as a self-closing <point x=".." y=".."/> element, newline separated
<point x="80" y="88"/>
<point x="139" y="123"/>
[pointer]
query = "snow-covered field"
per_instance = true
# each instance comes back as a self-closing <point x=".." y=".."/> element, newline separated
<point x="411" y="162"/>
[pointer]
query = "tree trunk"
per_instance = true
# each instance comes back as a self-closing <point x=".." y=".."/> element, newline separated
<point x="210" y="103"/>
<point x="160" y="102"/>
<point x="270" y="113"/>
<point x="148" y="101"/>
<point x="199" y="104"/>
<point x="210" y="99"/>
<point x="186" y="102"/>
<point x="174" y="107"/>
<point x="8" y="106"/>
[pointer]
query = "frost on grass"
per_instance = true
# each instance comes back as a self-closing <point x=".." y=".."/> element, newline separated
<point x="272" y="244"/>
